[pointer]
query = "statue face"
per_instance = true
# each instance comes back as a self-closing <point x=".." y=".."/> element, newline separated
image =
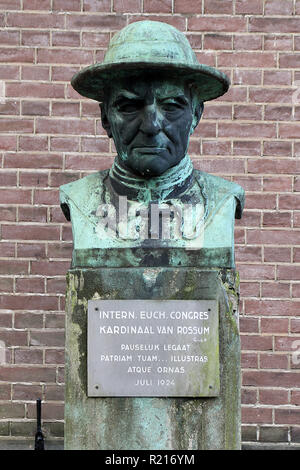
<point x="150" y="122"/>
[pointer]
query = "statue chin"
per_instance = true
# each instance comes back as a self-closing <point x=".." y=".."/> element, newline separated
<point x="149" y="164"/>
<point x="150" y="170"/>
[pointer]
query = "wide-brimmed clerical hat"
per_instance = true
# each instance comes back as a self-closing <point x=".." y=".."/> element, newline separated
<point x="149" y="46"/>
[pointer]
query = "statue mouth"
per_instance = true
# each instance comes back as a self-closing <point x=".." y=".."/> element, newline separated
<point x="149" y="149"/>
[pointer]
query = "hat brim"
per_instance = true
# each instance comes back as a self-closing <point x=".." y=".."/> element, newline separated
<point x="92" y="81"/>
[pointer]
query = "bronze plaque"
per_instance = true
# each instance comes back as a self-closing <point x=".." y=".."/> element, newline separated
<point x="153" y="348"/>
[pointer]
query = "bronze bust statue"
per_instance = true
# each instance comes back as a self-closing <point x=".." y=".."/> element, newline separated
<point x="151" y="91"/>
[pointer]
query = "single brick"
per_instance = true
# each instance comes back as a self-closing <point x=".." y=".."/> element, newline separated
<point x="273" y="434"/>
<point x="26" y="392"/>
<point x="249" y="7"/>
<point x="157" y="6"/>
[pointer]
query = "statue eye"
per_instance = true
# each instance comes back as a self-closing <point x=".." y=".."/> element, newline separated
<point x="129" y="107"/>
<point x="171" y="106"/>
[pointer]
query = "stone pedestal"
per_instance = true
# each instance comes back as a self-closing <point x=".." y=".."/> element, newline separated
<point x="120" y="423"/>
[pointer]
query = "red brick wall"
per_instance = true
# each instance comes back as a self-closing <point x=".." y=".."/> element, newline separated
<point x="50" y="135"/>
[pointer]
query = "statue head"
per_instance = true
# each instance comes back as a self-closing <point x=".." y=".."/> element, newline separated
<point x="151" y="90"/>
<point x="150" y="120"/>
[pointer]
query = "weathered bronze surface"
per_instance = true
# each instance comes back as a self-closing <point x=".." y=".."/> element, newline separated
<point x="150" y="46"/>
<point x="151" y="90"/>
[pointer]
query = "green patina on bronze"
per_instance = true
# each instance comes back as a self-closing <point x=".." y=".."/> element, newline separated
<point x="122" y="257"/>
<point x="151" y="46"/>
<point x="152" y="89"/>
<point x="215" y="247"/>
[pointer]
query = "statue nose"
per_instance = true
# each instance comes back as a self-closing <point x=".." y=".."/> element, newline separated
<point x="151" y="123"/>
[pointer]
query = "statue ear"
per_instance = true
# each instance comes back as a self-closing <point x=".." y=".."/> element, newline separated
<point x="198" y="111"/>
<point x="104" y="120"/>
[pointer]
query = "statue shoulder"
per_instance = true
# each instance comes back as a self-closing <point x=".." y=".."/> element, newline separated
<point x="79" y="192"/>
<point x="217" y="188"/>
